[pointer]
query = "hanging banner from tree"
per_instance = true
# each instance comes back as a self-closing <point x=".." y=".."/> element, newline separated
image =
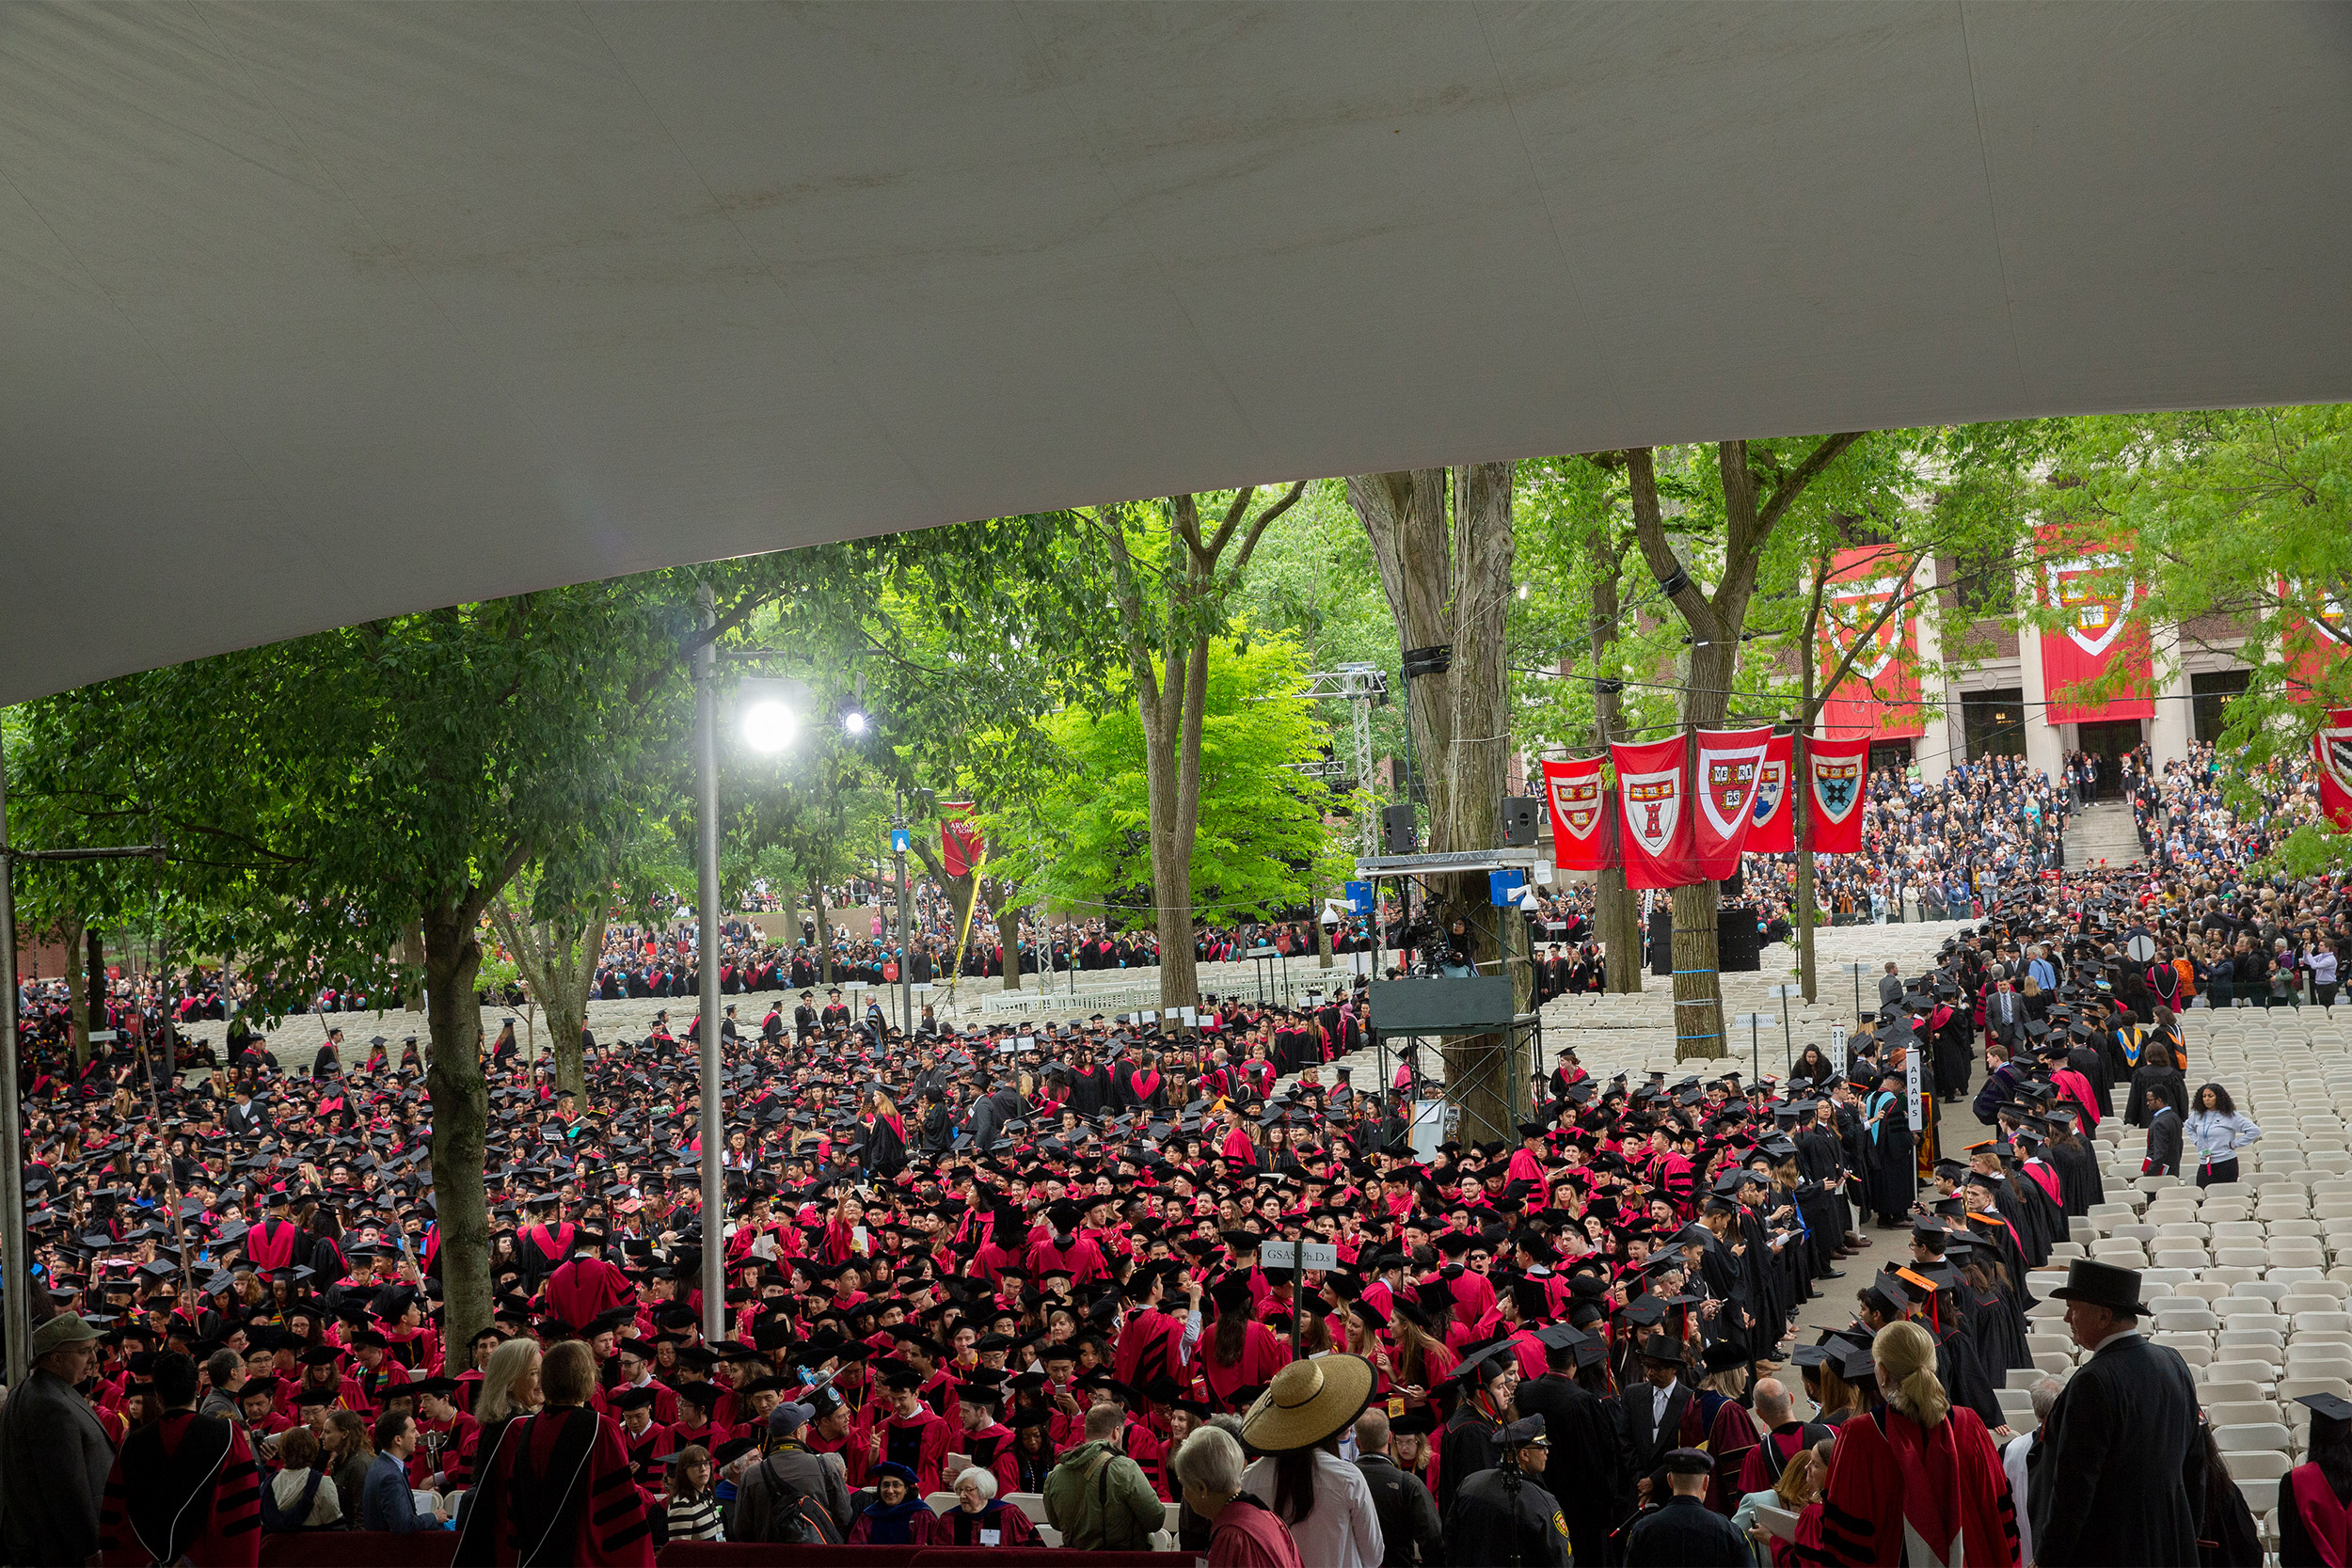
<point x="1773" y="826"/>
<point x="1730" y="769"/>
<point x="2096" y="637"/>
<point x="1835" y="771"/>
<point x="1580" y="841"/>
<point x="2332" y="749"/>
<point x="961" y="847"/>
<point x="1655" y="820"/>
<point x="1878" y="696"/>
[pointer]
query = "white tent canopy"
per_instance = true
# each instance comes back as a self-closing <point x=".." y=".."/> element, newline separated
<point x="309" y="314"/>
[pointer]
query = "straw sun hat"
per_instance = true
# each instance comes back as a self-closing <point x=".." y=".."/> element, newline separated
<point x="1308" y="1401"/>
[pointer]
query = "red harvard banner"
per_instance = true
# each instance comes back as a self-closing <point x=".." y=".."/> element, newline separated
<point x="1878" y="696"/>
<point x="1773" y="829"/>
<point x="1578" y="807"/>
<point x="1655" y="819"/>
<point x="1837" y="770"/>
<point x="961" y="847"/>
<point x="2097" y="636"/>
<point x="2332" y="747"/>
<point x="1730" y="767"/>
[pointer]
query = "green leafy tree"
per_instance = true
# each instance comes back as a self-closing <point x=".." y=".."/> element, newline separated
<point x="1261" y="842"/>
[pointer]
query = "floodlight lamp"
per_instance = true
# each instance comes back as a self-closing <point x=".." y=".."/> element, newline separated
<point x="853" y="722"/>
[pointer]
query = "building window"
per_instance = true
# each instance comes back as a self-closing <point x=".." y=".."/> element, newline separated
<point x="1984" y="585"/>
<point x="1994" y="721"/>
<point x="2208" y="695"/>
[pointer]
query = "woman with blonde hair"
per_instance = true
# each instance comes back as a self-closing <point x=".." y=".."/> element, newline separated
<point x="1916" y="1482"/>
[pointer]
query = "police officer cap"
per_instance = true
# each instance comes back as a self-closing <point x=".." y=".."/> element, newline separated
<point x="1526" y="1434"/>
<point x="1689" y="1462"/>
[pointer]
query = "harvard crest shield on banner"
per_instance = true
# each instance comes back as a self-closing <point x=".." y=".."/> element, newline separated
<point x="1879" y="695"/>
<point x="2098" y="635"/>
<point x="1837" y="771"/>
<point x="2332" y="749"/>
<point x="1579" y="807"/>
<point x="1771" y="826"/>
<point x="1728" y="769"/>
<point x="1654" y="816"/>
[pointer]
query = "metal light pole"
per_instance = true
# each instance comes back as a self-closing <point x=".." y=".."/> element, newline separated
<point x="707" y="896"/>
<point x="18" y="1284"/>
<point x="906" y="932"/>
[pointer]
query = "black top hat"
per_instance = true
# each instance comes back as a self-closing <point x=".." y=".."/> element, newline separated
<point x="2103" y="1285"/>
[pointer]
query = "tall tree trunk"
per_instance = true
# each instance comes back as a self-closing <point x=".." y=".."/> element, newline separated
<point x="567" y="1008"/>
<point x="1451" y="586"/>
<point x="1615" y="910"/>
<point x="412" y="956"/>
<point x="1007" y="915"/>
<point x="96" y="1006"/>
<point x="1172" y="728"/>
<point x="824" y="929"/>
<point x="77" y="992"/>
<point x="461" y="1105"/>
<point x="558" y="961"/>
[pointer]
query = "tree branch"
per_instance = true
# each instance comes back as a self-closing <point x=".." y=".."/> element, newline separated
<point x="1649" y="534"/>
<point x="1786" y="493"/>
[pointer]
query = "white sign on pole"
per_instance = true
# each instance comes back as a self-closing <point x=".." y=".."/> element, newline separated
<point x="98" y="1035"/>
<point x="2141" y="947"/>
<point x="1785" y="992"/>
<point x="1910" y="1086"/>
<point x="1838" y="1048"/>
<point x="1756" y="1021"/>
<point x="1150" y="1018"/>
<point x="1298" y="1255"/>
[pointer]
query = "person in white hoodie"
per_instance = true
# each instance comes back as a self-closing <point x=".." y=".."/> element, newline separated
<point x="2216" y="1132"/>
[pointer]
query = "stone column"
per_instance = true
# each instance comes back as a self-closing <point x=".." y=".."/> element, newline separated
<point x="1944" y="741"/>
<point x="2172" y="728"/>
<point x="2045" y="750"/>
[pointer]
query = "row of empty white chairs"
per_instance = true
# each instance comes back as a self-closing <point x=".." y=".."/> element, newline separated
<point x="2251" y="1281"/>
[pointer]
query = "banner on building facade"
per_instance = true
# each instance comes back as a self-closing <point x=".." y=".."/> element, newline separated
<point x="1837" y="773"/>
<point x="1580" y="809"/>
<point x="1728" y="767"/>
<point x="1773" y="829"/>
<point x="2331" y="748"/>
<point x="2313" y="635"/>
<point x="1879" y="697"/>
<point x="2096" y="637"/>
<point x="1654" y="816"/>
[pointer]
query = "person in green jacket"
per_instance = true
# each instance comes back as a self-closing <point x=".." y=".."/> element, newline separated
<point x="1097" y="1496"/>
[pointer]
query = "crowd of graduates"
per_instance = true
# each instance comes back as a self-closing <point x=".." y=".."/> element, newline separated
<point x="1025" y="1244"/>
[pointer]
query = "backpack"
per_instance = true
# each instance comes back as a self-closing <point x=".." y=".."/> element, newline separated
<point x="794" y="1517"/>
<point x="277" y="1521"/>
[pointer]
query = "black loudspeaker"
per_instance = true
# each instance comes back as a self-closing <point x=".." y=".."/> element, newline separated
<point x="1738" y="950"/>
<point x="1662" y="941"/>
<point x="1518" y="820"/>
<point x="1398" y="834"/>
<point x="1736" y="885"/>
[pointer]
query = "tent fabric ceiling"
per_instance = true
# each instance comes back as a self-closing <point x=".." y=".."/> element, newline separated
<point x="311" y="314"/>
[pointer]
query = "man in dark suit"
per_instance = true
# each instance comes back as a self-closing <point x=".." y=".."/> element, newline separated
<point x="1653" y="1409"/>
<point x="2119" y="1474"/>
<point x="1409" y="1527"/>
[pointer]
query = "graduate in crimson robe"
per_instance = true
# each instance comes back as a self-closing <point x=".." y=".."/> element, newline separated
<point x="1889" y="1478"/>
<point x="913" y="1435"/>
<point x="271" y="1243"/>
<point x="1239" y="1352"/>
<point x="556" y="1489"/>
<point x="586" y="1287"/>
<point x="184" y="1487"/>
<point x="1151" y="1342"/>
